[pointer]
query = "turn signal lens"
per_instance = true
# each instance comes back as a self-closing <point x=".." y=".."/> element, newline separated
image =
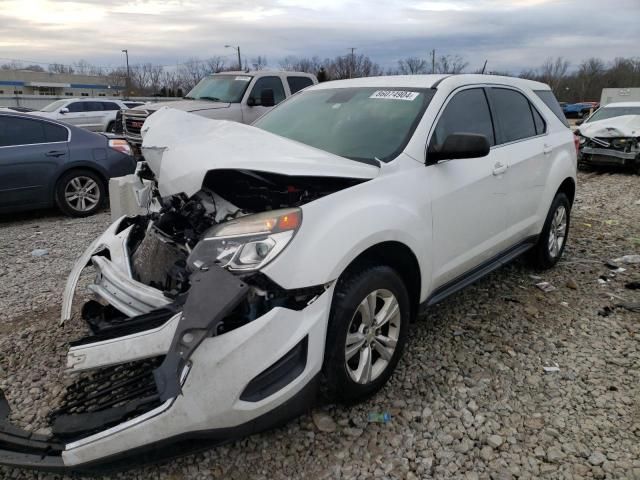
<point x="120" y="145"/>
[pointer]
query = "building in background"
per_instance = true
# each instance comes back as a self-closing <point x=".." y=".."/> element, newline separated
<point x="27" y="82"/>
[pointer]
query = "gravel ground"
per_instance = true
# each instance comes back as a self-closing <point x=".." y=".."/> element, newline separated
<point x="470" y="399"/>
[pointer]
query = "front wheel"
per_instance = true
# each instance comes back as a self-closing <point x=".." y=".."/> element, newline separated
<point x="367" y="332"/>
<point x="553" y="237"/>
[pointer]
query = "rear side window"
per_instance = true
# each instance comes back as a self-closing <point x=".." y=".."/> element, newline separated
<point x="298" y="83"/>
<point x="20" y="131"/>
<point x="550" y="101"/>
<point x="92" y="106"/>
<point x="513" y="114"/>
<point x="467" y="112"/>
<point x="110" y="106"/>
<point x="54" y="133"/>
<point x="541" y="126"/>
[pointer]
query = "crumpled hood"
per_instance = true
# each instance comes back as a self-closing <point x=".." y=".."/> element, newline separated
<point x="184" y="105"/>
<point x="180" y="148"/>
<point x="623" y="126"/>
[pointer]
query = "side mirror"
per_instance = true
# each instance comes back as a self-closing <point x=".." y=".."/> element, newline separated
<point x="64" y="110"/>
<point x="579" y="122"/>
<point x="459" y="145"/>
<point x="267" y="98"/>
<point x="251" y="102"/>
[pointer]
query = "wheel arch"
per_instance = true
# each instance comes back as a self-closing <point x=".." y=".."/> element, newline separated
<point x="568" y="187"/>
<point x="398" y="256"/>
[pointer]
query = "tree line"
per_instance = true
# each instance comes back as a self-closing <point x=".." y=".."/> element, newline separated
<point x="583" y="82"/>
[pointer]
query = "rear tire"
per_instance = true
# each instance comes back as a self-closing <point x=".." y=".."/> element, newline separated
<point x="80" y="193"/>
<point x="111" y="128"/>
<point x="367" y="332"/>
<point x="553" y="237"/>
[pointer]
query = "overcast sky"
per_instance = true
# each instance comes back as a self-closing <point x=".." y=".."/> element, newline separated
<point x="511" y="34"/>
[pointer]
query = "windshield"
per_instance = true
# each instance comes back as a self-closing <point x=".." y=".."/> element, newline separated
<point x="52" y="107"/>
<point x="610" y="112"/>
<point x="357" y="123"/>
<point x="221" y="88"/>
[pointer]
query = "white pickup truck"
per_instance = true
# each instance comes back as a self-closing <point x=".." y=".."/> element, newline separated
<point x="238" y="96"/>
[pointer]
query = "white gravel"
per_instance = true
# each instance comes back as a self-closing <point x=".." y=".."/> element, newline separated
<point x="469" y="400"/>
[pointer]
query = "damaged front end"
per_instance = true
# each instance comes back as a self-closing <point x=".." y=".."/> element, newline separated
<point x="188" y="340"/>
<point x="614" y="141"/>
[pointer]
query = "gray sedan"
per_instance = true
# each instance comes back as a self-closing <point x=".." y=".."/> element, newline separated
<point x="45" y="163"/>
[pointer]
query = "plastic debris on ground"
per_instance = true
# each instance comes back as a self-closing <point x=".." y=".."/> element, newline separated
<point x="628" y="259"/>
<point x="552" y="368"/>
<point x="39" y="252"/>
<point x="545" y="287"/>
<point x="383" y="417"/>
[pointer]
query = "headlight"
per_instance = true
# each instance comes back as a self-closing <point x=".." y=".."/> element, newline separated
<point x="582" y="140"/>
<point x="247" y="243"/>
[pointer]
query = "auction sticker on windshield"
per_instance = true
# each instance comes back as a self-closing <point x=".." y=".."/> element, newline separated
<point x="395" y="95"/>
<point x="243" y="79"/>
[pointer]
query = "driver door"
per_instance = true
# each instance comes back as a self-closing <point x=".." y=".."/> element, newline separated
<point x="468" y="196"/>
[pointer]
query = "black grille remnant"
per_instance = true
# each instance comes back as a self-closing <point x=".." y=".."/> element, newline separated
<point x="106" y="397"/>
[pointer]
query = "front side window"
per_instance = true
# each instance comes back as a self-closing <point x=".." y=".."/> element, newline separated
<point x="467" y="112"/>
<point x="92" y="106"/>
<point x="358" y="123"/>
<point x="298" y="83"/>
<point x="513" y="113"/>
<point x="110" y="106"/>
<point x="265" y="83"/>
<point x="76" y="107"/>
<point x="20" y="131"/>
<point x="221" y="88"/>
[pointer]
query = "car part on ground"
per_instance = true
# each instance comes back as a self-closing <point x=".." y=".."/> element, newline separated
<point x="263" y="251"/>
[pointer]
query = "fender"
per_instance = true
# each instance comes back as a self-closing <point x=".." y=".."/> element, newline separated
<point x="326" y="244"/>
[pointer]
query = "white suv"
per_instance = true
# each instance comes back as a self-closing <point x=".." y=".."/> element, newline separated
<point x="96" y="114"/>
<point x="299" y="249"/>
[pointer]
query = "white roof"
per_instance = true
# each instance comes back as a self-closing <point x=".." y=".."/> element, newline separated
<point x="428" y="81"/>
<point x="622" y="104"/>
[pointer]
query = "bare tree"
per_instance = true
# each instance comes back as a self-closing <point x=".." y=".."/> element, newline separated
<point x="215" y="64"/>
<point x="351" y="66"/>
<point x="303" y="64"/>
<point x="191" y="72"/>
<point x="59" y="68"/>
<point x="259" y="63"/>
<point x="154" y="74"/>
<point x="553" y="72"/>
<point x="452" y="64"/>
<point x="412" y="66"/>
<point x="589" y="71"/>
<point x="82" y="67"/>
<point x="34" y="68"/>
<point x="12" y="65"/>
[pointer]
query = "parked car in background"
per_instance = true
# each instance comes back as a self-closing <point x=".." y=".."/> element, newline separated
<point x="238" y="96"/>
<point x="579" y="110"/>
<point x="95" y="114"/>
<point x="118" y="126"/>
<point x="18" y="109"/>
<point x="276" y="257"/>
<point x="45" y="163"/>
<point x="611" y="136"/>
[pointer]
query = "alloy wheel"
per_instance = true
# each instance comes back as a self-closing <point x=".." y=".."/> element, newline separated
<point x="372" y="336"/>
<point x="82" y="193"/>
<point x="557" y="232"/>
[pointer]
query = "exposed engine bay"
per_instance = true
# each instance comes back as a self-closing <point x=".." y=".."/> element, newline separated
<point x="613" y="141"/>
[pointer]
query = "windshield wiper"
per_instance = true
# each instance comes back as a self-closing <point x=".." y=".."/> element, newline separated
<point x="214" y="99"/>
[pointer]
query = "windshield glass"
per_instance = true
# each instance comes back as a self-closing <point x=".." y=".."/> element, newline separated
<point x="221" y="88"/>
<point x="52" y="107"/>
<point x="357" y="123"/>
<point x="610" y="112"/>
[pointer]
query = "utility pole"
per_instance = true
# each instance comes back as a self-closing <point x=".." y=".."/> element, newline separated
<point x="128" y="87"/>
<point x="484" y="67"/>
<point x="352" y="66"/>
<point x="237" y="49"/>
<point x="433" y="61"/>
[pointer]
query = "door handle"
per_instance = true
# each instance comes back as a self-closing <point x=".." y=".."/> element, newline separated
<point x="499" y="168"/>
<point x="547" y="149"/>
<point x="55" y="153"/>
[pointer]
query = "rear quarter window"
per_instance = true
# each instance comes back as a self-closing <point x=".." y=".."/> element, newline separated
<point x="550" y="101"/>
<point x="298" y="83"/>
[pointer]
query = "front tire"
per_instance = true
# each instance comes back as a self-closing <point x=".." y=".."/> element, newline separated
<point x="553" y="237"/>
<point x="111" y="128"/>
<point x="80" y="193"/>
<point x="366" y="334"/>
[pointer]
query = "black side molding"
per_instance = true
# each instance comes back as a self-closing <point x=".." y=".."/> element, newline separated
<point x="478" y="272"/>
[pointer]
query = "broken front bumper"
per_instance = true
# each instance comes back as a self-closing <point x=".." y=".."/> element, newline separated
<point x="606" y="156"/>
<point x="162" y="375"/>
